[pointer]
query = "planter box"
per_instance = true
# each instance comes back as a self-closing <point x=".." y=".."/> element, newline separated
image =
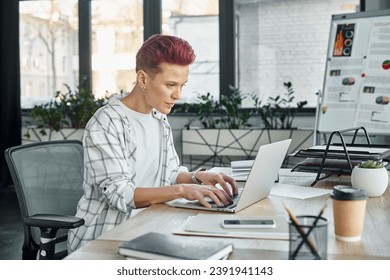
<point x="62" y="134"/>
<point x="220" y="146"/>
<point x="233" y="142"/>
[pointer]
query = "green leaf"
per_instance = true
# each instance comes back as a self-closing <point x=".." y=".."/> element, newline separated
<point x="69" y="109"/>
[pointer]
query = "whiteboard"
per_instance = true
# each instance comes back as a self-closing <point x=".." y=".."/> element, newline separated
<point x="356" y="90"/>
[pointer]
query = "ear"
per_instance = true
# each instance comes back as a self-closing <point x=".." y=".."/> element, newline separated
<point x="141" y="78"/>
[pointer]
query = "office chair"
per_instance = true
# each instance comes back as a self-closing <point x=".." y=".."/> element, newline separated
<point x="48" y="179"/>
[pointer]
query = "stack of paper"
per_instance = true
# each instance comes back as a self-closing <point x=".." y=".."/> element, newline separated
<point x="241" y="169"/>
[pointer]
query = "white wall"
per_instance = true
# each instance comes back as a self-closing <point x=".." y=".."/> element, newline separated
<point x="281" y="41"/>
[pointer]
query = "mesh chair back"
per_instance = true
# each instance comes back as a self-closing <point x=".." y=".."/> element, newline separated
<point x="48" y="178"/>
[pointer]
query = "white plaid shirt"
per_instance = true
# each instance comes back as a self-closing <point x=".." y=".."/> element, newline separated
<point x="109" y="171"/>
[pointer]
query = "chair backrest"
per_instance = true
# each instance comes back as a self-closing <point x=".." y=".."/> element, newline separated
<point x="48" y="178"/>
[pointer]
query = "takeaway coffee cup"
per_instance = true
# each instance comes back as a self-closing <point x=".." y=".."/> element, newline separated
<point x="349" y="209"/>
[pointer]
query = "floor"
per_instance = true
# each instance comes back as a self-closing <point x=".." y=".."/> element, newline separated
<point x="11" y="228"/>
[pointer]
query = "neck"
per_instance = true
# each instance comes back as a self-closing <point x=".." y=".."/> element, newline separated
<point x="135" y="100"/>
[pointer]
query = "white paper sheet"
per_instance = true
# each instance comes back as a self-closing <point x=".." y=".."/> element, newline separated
<point x="211" y="225"/>
<point x="287" y="190"/>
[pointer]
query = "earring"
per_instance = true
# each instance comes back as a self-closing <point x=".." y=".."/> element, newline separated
<point x="142" y="87"/>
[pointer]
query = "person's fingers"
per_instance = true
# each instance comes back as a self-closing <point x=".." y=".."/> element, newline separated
<point x="213" y="194"/>
<point x="226" y="196"/>
<point x="232" y="183"/>
<point x="204" y="202"/>
<point x="219" y="196"/>
<point x="222" y="196"/>
<point x="225" y="186"/>
<point x="226" y="191"/>
<point x="228" y="184"/>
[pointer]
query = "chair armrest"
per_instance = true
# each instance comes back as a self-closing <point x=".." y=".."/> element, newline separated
<point x="53" y="221"/>
<point x="49" y="224"/>
<point x="61" y="238"/>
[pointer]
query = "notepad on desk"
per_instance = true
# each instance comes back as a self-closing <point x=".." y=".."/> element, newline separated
<point x="293" y="191"/>
<point x="157" y="246"/>
<point x="211" y="225"/>
<point x="240" y="169"/>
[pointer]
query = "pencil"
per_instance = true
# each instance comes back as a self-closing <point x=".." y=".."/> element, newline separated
<point x="310" y="229"/>
<point x="295" y="222"/>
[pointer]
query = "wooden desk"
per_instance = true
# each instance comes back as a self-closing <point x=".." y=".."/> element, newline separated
<point x="375" y="242"/>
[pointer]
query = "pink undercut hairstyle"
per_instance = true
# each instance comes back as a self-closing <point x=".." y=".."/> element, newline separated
<point x="163" y="48"/>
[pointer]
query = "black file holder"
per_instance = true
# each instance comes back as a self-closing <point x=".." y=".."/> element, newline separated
<point x="339" y="161"/>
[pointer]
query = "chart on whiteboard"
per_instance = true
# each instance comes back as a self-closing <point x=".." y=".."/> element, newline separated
<point x="373" y="108"/>
<point x="357" y="79"/>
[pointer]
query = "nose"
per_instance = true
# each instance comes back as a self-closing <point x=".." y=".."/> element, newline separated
<point x="176" y="94"/>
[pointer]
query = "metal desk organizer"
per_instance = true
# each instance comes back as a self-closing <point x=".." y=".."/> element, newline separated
<point x="340" y="158"/>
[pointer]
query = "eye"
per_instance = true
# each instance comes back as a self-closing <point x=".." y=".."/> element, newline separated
<point x="170" y="85"/>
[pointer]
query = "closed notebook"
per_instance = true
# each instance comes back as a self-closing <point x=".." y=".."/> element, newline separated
<point x="157" y="246"/>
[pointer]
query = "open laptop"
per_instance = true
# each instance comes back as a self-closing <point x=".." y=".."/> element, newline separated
<point x="260" y="180"/>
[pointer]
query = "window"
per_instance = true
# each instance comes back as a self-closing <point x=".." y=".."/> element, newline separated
<point x="280" y="41"/>
<point x="196" y="22"/>
<point x="117" y="28"/>
<point x="48" y="30"/>
<point x="277" y="41"/>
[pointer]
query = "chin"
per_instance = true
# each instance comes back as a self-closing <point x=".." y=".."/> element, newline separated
<point x="164" y="111"/>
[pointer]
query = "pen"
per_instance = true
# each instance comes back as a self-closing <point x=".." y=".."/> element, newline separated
<point x="295" y="222"/>
<point x="310" y="230"/>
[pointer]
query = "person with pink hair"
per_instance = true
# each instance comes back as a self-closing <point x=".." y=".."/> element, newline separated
<point x="130" y="161"/>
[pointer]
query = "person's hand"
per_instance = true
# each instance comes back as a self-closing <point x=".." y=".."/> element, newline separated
<point x="201" y="192"/>
<point x="227" y="183"/>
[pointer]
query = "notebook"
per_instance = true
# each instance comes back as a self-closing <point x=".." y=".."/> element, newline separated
<point x="157" y="246"/>
<point x="240" y="169"/>
<point x="260" y="180"/>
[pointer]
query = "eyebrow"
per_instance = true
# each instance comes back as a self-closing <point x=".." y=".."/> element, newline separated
<point x="176" y="83"/>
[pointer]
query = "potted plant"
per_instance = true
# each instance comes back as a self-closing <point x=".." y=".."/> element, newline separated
<point x="212" y="114"/>
<point x="234" y="116"/>
<point x="205" y="111"/>
<point x="280" y="111"/>
<point x="371" y="176"/>
<point x="70" y="110"/>
<point x="278" y="115"/>
<point x="224" y="129"/>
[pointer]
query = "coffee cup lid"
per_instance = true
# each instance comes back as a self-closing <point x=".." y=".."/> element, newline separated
<point x="348" y="193"/>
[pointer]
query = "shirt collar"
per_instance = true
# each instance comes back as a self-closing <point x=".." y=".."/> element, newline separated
<point x="114" y="103"/>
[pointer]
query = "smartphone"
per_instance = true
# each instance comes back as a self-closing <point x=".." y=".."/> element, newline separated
<point x="248" y="223"/>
